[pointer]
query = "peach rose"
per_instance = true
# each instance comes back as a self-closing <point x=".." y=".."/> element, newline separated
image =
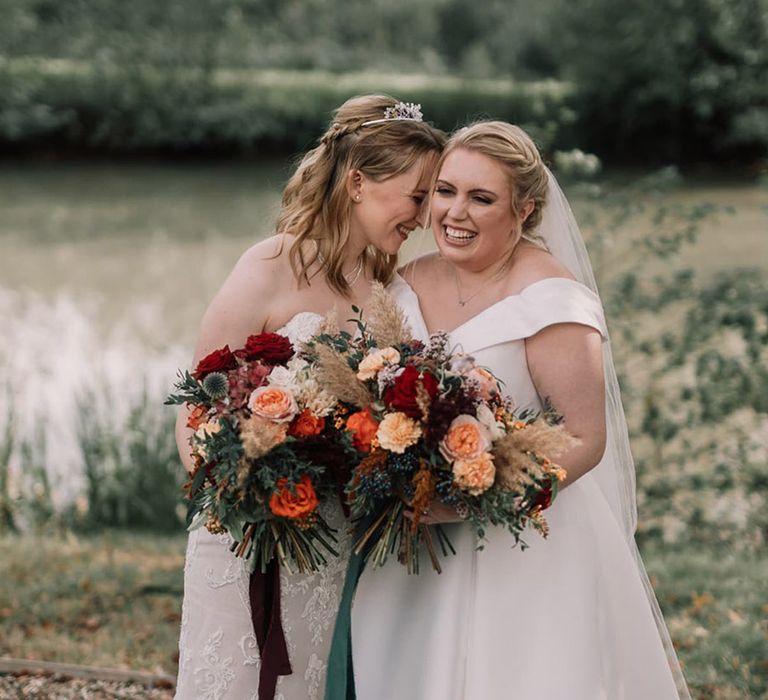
<point x="475" y="475"/>
<point x="397" y="432"/>
<point x="466" y="438"/>
<point x="363" y="427"/>
<point x="486" y="383"/>
<point x="375" y="361"/>
<point x="203" y="431"/>
<point x="274" y="403"/>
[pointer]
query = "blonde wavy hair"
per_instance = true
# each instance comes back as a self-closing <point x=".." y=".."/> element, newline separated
<point x="515" y="150"/>
<point x="316" y="205"/>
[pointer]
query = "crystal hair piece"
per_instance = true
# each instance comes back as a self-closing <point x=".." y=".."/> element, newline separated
<point x="402" y="111"/>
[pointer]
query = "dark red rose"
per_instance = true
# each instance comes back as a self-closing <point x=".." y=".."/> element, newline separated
<point x="219" y="360"/>
<point x="272" y="348"/>
<point x="402" y="394"/>
<point x="544" y="499"/>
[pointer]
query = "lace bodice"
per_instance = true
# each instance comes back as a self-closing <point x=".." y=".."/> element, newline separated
<point x="301" y="327"/>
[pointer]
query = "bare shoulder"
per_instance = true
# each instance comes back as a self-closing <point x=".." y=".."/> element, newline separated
<point x="268" y="257"/>
<point x="533" y="264"/>
<point x="418" y="270"/>
<point x="241" y="307"/>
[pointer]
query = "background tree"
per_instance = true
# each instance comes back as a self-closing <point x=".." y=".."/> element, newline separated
<point x="682" y="80"/>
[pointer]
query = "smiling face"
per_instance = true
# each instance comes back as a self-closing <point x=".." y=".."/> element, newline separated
<point x="473" y="218"/>
<point x="388" y="210"/>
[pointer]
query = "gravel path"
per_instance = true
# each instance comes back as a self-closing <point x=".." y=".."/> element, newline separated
<point x="62" y="687"/>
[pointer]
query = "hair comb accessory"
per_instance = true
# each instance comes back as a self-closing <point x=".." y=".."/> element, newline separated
<point x="402" y="111"/>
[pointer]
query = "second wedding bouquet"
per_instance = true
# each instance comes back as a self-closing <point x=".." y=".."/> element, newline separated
<point x="424" y="424"/>
<point x="262" y="452"/>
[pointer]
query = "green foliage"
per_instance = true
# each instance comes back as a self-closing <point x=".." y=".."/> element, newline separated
<point x="143" y="107"/>
<point x="7" y="520"/>
<point x="691" y="356"/>
<point x="133" y="472"/>
<point x="676" y="80"/>
<point x="495" y="39"/>
<point x="673" y="80"/>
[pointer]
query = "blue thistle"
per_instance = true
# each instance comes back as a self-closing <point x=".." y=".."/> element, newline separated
<point x="216" y="385"/>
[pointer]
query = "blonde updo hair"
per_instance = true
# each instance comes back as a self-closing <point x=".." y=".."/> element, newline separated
<point x="316" y="205"/>
<point x="515" y="150"/>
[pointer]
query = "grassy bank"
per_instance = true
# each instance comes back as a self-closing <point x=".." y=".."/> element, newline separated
<point x="60" y="104"/>
<point x="111" y="600"/>
<point x="114" y="600"/>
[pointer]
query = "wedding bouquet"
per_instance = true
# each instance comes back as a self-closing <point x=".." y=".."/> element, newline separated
<point x="260" y="448"/>
<point x="426" y="423"/>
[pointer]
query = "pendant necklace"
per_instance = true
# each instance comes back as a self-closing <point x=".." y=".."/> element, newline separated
<point x="464" y="302"/>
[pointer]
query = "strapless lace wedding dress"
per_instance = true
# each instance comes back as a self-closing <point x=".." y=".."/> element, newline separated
<point x="218" y="654"/>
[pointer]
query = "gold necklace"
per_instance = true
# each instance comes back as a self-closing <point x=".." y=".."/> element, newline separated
<point x="464" y="302"/>
<point x="350" y="277"/>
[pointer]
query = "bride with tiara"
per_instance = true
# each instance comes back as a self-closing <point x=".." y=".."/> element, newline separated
<point x="346" y="211"/>
<point x="574" y="616"/>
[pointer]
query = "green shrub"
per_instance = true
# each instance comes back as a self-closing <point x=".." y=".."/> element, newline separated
<point x="137" y="108"/>
<point x="133" y="473"/>
<point x="668" y="80"/>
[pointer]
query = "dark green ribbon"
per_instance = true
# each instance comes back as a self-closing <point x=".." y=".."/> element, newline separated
<point x="340" y="677"/>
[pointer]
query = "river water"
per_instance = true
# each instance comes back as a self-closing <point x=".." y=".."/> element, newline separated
<point x="106" y="269"/>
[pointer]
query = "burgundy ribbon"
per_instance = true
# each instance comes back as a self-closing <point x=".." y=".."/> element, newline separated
<point x="264" y="594"/>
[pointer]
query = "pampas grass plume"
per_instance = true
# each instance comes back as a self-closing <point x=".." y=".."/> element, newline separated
<point x="385" y="320"/>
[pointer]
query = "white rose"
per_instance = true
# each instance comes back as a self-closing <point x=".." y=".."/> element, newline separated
<point x="486" y="418"/>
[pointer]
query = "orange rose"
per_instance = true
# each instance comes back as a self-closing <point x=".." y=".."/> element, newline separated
<point x="475" y="475"/>
<point x="196" y="417"/>
<point x="466" y="438"/>
<point x="363" y="427"/>
<point x="306" y="424"/>
<point x="294" y="504"/>
<point x="274" y="403"/>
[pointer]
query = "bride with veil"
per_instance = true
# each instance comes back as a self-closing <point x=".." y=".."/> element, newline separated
<point x="574" y="616"/>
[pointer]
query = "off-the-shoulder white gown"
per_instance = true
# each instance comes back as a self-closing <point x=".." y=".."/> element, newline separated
<point x="218" y="655"/>
<point x="567" y="619"/>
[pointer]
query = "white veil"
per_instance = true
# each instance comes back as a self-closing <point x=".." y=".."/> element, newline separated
<point x="615" y="474"/>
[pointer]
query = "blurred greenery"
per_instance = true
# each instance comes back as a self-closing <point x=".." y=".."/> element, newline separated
<point x="63" y="103"/>
<point x="673" y="80"/>
<point x="120" y="463"/>
<point x="683" y="79"/>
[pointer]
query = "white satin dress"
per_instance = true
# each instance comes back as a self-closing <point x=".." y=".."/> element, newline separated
<point x="567" y="619"/>
<point x="218" y="654"/>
